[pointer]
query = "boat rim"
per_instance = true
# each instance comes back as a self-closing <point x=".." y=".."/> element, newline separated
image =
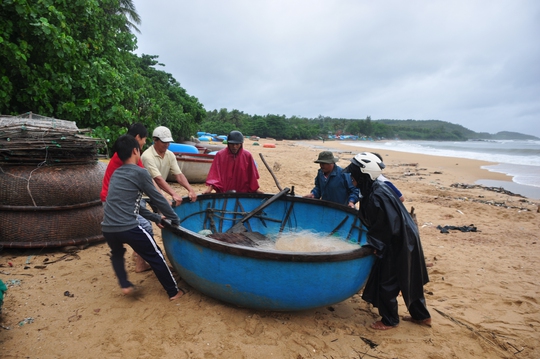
<point x="252" y="252"/>
<point x="194" y="157"/>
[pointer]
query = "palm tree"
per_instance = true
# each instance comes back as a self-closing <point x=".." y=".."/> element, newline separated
<point x="127" y="8"/>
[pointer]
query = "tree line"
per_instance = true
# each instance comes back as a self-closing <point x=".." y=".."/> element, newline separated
<point x="322" y="127"/>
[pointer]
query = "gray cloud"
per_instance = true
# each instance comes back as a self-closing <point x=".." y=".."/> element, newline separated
<point x="469" y="62"/>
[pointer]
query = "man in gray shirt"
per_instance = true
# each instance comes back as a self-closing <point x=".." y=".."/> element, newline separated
<point x="120" y="224"/>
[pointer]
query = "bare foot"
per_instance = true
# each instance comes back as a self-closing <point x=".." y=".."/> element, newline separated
<point x="128" y="290"/>
<point x="178" y="295"/>
<point x="379" y="325"/>
<point x="141" y="265"/>
<point x="426" y="322"/>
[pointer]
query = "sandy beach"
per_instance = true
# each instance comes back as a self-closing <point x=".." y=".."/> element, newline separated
<point x="483" y="293"/>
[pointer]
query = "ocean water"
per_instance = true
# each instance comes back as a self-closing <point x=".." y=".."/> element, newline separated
<point x="518" y="159"/>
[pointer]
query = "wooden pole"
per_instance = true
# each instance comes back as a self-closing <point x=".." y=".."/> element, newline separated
<point x="271" y="172"/>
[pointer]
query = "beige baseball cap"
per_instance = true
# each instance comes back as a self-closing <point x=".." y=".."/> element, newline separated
<point x="163" y="133"/>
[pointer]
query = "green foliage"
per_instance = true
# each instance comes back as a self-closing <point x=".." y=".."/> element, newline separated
<point x="127" y="8"/>
<point x="428" y="130"/>
<point x="162" y="102"/>
<point x="223" y="122"/>
<point x="62" y="58"/>
<point x="74" y="60"/>
<point x="275" y="126"/>
<point x="301" y="128"/>
<point x="507" y="135"/>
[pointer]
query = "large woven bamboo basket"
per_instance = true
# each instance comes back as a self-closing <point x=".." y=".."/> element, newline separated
<point x="50" y="206"/>
<point x="51" y="185"/>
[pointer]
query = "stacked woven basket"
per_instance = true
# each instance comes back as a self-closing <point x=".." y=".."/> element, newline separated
<point x="50" y="181"/>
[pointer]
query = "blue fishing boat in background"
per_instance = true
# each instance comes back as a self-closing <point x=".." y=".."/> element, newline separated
<point x="237" y="267"/>
<point x="182" y="147"/>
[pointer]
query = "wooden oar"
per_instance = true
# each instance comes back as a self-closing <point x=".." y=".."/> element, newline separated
<point x="239" y="227"/>
<point x="271" y="172"/>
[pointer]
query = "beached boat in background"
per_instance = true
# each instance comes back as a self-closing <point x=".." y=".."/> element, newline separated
<point x="211" y="146"/>
<point x="239" y="268"/>
<point x="194" y="166"/>
<point x="183" y="147"/>
<point x="205" y="146"/>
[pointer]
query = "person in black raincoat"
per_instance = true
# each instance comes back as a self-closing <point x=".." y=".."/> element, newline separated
<point x="394" y="236"/>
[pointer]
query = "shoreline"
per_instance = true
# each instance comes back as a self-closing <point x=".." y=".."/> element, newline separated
<point x="464" y="170"/>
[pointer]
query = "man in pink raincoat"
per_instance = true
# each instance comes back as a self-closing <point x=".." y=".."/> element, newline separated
<point x="233" y="168"/>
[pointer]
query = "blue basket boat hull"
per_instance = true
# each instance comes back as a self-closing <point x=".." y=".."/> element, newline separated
<point x="266" y="278"/>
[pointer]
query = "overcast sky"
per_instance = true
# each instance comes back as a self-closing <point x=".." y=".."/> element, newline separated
<point x="474" y="63"/>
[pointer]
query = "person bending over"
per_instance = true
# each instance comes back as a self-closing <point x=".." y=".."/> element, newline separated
<point x="332" y="184"/>
<point x="393" y="235"/>
<point x="140" y="133"/>
<point x="120" y="225"/>
<point x="162" y="164"/>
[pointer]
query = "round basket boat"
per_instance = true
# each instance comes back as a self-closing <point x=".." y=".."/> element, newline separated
<point x="50" y="206"/>
<point x="238" y="267"/>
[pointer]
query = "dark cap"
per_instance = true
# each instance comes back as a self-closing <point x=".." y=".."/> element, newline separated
<point x="235" y="137"/>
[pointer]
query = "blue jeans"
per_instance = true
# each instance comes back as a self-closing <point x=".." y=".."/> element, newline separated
<point x="146" y="224"/>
